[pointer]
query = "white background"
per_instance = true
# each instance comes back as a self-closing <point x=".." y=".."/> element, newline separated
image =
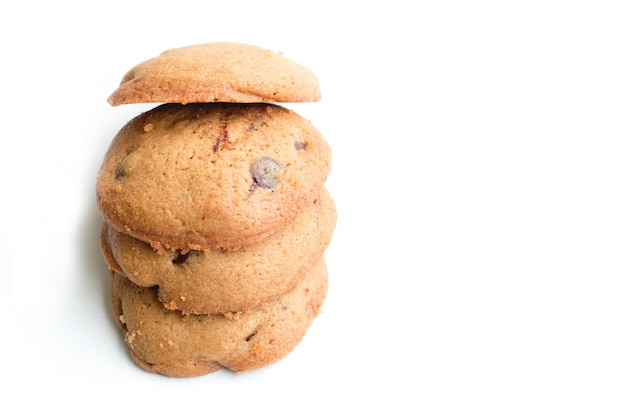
<point x="479" y="169"/>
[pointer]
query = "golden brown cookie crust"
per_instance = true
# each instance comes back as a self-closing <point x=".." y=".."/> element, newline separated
<point x="170" y="343"/>
<point x="217" y="72"/>
<point x="211" y="175"/>
<point x="226" y="281"/>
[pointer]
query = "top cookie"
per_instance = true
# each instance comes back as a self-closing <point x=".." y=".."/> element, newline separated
<point x="217" y="72"/>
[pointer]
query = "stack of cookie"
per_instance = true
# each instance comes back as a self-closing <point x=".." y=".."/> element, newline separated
<point x="215" y="214"/>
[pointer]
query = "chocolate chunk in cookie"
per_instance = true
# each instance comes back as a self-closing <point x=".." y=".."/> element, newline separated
<point x="266" y="172"/>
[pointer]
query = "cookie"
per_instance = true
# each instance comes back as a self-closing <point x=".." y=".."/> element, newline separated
<point x="211" y="175"/>
<point x="217" y="72"/>
<point x="173" y="344"/>
<point x="226" y="281"/>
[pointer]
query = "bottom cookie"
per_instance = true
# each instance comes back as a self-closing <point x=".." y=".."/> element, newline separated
<point x="177" y="345"/>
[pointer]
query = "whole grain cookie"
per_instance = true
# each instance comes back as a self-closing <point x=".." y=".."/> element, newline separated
<point x="217" y="72"/>
<point x="226" y="281"/>
<point x="170" y="343"/>
<point x="211" y="175"/>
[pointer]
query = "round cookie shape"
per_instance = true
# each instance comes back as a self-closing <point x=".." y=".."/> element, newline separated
<point x="217" y="72"/>
<point x="226" y="281"/>
<point x="177" y="345"/>
<point x="211" y="175"/>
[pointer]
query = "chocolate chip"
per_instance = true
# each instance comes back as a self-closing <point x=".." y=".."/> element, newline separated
<point x="265" y="172"/>
<point x="181" y="258"/>
<point x="247" y="339"/>
<point x="218" y="143"/>
<point x="121" y="168"/>
<point x="300" y="146"/>
<point x="120" y="171"/>
<point x="222" y="139"/>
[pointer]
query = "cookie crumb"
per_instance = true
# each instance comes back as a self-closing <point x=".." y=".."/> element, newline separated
<point x="171" y="305"/>
<point x="130" y="338"/>
<point x="148" y="127"/>
<point x="232" y="316"/>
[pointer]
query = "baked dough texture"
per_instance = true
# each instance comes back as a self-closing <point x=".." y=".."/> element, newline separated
<point x="226" y="281"/>
<point x="177" y="345"/>
<point x="211" y="175"/>
<point x="215" y="214"/>
<point x="217" y="72"/>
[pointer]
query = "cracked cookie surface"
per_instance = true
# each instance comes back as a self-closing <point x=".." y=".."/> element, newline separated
<point x="170" y="343"/>
<point x="226" y="281"/>
<point x="217" y="72"/>
<point x="211" y="175"/>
